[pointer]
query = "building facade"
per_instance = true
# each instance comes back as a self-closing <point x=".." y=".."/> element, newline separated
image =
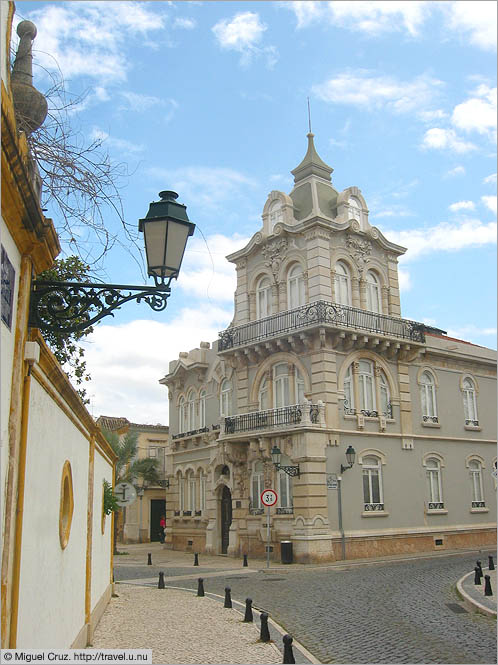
<point x="56" y="539"/>
<point x="141" y="519"/>
<point x="318" y="361"/>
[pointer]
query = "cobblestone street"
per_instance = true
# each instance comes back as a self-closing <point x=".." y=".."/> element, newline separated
<point x="389" y="612"/>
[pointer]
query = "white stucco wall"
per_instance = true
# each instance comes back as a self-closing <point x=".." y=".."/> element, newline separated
<point x="7" y="338"/>
<point x="52" y="585"/>
<point x="4" y="13"/>
<point x="101" y="543"/>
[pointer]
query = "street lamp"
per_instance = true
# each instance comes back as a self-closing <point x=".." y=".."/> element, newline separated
<point x="276" y="454"/>
<point x="73" y="306"/>
<point x="350" y="457"/>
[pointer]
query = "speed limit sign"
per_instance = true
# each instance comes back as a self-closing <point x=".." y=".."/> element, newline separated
<point x="269" y="498"/>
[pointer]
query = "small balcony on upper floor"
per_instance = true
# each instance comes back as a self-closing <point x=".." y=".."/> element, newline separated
<point x="347" y="326"/>
<point x="284" y="419"/>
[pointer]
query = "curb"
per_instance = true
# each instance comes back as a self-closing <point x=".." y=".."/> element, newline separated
<point x="469" y="602"/>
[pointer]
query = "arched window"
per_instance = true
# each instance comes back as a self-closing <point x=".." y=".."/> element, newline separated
<point x="263" y="396"/>
<point x="257" y="486"/>
<point x="276" y="213"/>
<point x="366" y="384"/>
<point x="225" y="398"/>
<point x="295" y="287"/>
<point x="202" y="491"/>
<point x="190" y="411"/>
<point x="181" y="492"/>
<point x="285" y="487"/>
<point x="428" y="397"/>
<point x="181" y="415"/>
<point x="342" y="284"/>
<point x="191" y="483"/>
<point x="469" y="402"/>
<point x="202" y="408"/>
<point x="434" y="484"/>
<point x="354" y="208"/>
<point x="284" y="393"/>
<point x="263" y="298"/>
<point x="349" y="404"/>
<point x="475" y="470"/>
<point x="373" y="498"/>
<point x="374" y="302"/>
<point x="385" y="400"/>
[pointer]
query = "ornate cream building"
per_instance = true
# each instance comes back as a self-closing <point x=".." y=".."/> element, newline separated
<point x="318" y="361"/>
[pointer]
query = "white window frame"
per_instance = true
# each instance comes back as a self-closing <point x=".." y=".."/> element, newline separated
<point x="263" y="298"/>
<point x="475" y="472"/>
<point x="343" y="292"/>
<point x="366" y="381"/>
<point x="202" y="408"/>
<point x="355" y="209"/>
<point x="258" y="481"/>
<point x="264" y="394"/>
<point x="190" y="410"/>
<point x="434" y="483"/>
<point x="181" y="415"/>
<point x="285" y="496"/>
<point x="181" y="493"/>
<point x="428" y="401"/>
<point x="295" y="287"/>
<point x="373" y="292"/>
<point x="225" y="397"/>
<point x="372" y="469"/>
<point x="202" y="491"/>
<point x="469" y="402"/>
<point x="275" y="213"/>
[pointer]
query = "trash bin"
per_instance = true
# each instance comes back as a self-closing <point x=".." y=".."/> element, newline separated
<point x="286" y="551"/>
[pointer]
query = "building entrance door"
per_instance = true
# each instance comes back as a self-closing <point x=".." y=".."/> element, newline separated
<point x="157" y="509"/>
<point x="226" y="518"/>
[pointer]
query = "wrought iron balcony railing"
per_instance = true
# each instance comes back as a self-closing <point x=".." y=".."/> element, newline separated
<point x="317" y="312"/>
<point x="257" y="420"/>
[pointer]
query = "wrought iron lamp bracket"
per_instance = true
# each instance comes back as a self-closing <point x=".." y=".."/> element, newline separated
<point x="345" y="468"/>
<point x="289" y="470"/>
<point x="66" y="307"/>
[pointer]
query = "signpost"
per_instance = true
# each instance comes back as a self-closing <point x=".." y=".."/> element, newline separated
<point x="268" y="498"/>
<point x="332" y="481"/>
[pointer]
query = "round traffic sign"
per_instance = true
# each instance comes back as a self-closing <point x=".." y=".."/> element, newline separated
<point x="269" y="497"/>
<point x="125" y="494"/>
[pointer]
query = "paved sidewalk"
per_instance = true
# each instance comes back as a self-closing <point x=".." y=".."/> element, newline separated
<point x="473" y="594"/>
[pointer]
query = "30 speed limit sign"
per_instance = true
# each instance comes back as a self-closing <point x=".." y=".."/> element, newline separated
<point x="269" y="498"/>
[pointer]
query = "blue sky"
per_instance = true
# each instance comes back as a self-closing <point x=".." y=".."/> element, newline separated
<point x="210" y="99"/>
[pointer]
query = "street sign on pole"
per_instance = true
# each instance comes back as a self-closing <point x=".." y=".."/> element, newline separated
<point x="126" y="494"/>
<point x="332" y="481"/>
<point x="268" y="498"/>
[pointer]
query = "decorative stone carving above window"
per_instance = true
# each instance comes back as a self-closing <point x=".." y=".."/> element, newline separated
<point x="360" y="250"/>
<point x="273" y="253"/>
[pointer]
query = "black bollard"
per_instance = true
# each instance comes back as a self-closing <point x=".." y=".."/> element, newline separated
<point x="264" y="635"/>
<point x="228" y="598"/>
<point x="161" y="581"/>
<point x="245" y="560"/>
<point x="488" y="591"/>
<point x="288" y="653"/>
<point x="149" y="559"/>
<point x="200" y="587"/>
<point x="477" y="575"/>
<point x="248" y="615"/>
<point x="478" y="564"/>
<point x="196" y="559"/>
<point x="113" y="574"/>
<point x="491" y="565"/>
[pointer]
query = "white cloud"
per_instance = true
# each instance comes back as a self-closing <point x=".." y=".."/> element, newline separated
<point x="89" y="38"/>
<point x="490" y="179"/>
<point x="445" y="139"/>
<point x="365" y="89"/>
<point x="445" y="237"/>
<point x="458" y="170"/>
<point x="205" y="271"/>
<point x="430" y="116"/>
<point x="209" y="187"/>
<point x="404" y="279"/>
<point x="140" y="351"/>
<point x="137" y="102"/>
<point x="471" y="333"/>
<point x="243" y="33"/>
<point x="184" y="23"/>
<point x="113" y="142"/>
<point x="369" y="17"/>
<point x="489" y="202"/>
<point x="477" y="113"/>
<point x="475" y="20"/>
<point x="462" y="205"/>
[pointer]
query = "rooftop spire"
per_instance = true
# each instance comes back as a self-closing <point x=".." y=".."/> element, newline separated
<point x="30" y="105"/>
<point x="312" y="164"/>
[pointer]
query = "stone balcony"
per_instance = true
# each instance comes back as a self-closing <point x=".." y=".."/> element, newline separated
<point x="272" y="421"/>
<point x="349" y="327"/>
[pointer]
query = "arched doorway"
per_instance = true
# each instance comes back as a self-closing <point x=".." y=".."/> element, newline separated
<point x="226" y="518"/>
